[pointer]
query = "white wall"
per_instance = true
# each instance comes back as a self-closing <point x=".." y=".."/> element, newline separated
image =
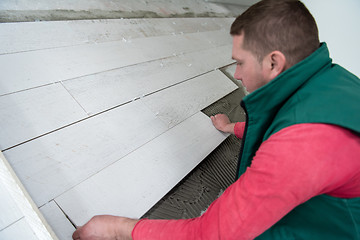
<point x="338" y="23"/>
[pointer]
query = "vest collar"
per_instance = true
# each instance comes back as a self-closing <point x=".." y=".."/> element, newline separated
<point x="278" y="90"/>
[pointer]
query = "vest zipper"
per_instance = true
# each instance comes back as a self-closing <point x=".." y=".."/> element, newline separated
<point x="242" y="104"/>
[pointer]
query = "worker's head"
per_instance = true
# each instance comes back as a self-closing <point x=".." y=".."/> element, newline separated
<point x="275" y="35"/>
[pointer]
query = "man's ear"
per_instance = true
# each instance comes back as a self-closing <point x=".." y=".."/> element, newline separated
<point x="275" y="63"/>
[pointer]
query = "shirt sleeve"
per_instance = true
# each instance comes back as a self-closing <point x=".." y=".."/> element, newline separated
<point x="239" y="129"/>
<point x="292" y="166"/>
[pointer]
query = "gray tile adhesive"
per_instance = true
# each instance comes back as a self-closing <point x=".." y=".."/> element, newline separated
<point x="193" y="195"/>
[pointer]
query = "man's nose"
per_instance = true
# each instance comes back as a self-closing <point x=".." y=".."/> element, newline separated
<point x="237" y="74"/>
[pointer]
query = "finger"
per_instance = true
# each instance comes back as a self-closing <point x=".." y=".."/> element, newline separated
<point x="76" y="234"/>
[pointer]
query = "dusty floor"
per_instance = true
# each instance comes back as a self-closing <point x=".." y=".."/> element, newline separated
<point x="60" y="15"/>
<point x="41" y="10"/>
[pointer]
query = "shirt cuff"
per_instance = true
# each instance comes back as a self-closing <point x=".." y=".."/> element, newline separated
<point x="239" y="129"/>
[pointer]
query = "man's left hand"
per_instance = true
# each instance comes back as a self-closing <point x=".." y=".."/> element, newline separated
<point x="106" y="227"/>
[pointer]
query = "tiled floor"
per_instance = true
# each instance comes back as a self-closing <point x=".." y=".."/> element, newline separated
<point x="107" y="121"/>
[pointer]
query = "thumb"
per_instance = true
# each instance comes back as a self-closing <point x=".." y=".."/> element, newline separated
<point x="76" y="234"/>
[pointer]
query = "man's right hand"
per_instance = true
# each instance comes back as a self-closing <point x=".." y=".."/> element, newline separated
<point x="222" y="123"/>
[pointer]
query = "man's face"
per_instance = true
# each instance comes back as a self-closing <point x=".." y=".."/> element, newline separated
<point x="248" y="68"/>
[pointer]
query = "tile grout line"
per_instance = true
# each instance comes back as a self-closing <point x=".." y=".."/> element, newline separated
<point x="86" y="43"/>
<point x="74" y="98"/>
<point x="67" y="217"/>
<point x="104" y="111"/>
<point x="109" y="70"/>
<point x="105" y="167"/>
<point x="18" y="220"/>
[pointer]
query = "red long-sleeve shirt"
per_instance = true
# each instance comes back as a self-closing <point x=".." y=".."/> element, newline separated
<point x="292" y="166"/>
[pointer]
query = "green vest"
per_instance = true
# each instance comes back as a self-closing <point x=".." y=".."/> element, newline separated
<point x="312" y="91"/>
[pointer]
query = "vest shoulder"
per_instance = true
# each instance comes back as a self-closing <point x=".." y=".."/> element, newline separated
<point x="331" y="96"/>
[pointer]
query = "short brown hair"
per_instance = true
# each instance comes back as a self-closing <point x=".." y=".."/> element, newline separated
<point x="283" y="25"/>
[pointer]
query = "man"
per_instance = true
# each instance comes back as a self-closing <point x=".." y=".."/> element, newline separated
<point x="299" y="168"/>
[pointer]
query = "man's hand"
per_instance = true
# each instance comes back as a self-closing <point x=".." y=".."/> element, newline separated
<point x="222" y="123"/>
<point x="106" y="227"/>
